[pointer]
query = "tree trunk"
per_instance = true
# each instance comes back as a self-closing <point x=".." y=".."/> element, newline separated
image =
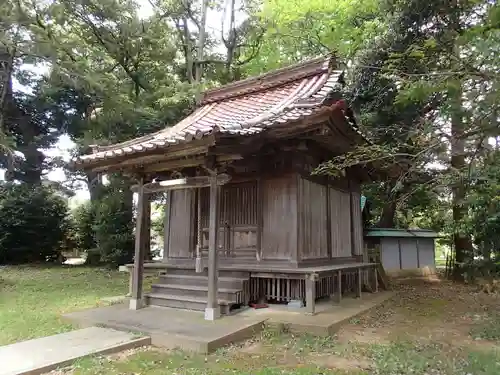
<point x="461" y="241"/>
<point x="6" y="67"/>
<point x="387" y="219"/>
<point x="94" y="183"/>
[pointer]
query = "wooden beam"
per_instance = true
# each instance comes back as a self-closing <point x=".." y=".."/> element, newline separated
<point x="311" y="294"/>
<point x="166" y="225"/>
<point x="146" y="248"/>
<point x="187" y="163"/>
<point x="212" y="311"/>
<point x="359" y="282"/>
<point x="136" y="301"/>
<point x="339" y="286"/>
<point x="174" y="164"/>
<point x="183" y="183"/>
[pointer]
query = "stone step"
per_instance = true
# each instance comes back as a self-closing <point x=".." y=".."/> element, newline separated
<point x="183" y="302"/>
<point x="229" y="294"/>
<point x="200" y="280"/>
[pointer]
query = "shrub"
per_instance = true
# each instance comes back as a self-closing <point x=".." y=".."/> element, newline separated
<point x="113" y="224"/>
<point x="82" y="221"/>
<point x="33" y="224"/>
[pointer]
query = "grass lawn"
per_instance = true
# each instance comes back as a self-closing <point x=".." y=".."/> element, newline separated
<point x="428" y="328"/>
<point x="32" y="299"/>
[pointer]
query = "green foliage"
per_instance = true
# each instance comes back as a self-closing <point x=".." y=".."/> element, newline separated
<point x="113" y="226"/>
<point x="297" y="30"/>
<point x="82" y="218"/>
<point x="33" y="224"/>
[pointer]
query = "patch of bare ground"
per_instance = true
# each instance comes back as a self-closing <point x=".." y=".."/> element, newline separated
<point x="252" y="347"/>
<point x="353" y="334"/>
<point x="424" y="310"/>
<point x="340" y="363"/>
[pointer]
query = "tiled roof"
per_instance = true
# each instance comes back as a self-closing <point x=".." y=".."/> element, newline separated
<point x="245" y="107"/>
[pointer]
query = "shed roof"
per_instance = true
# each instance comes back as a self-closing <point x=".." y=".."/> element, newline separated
<point x="243" y="108"/>
<point x="393" y="232"/>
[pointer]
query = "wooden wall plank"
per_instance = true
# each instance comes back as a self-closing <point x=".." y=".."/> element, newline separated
<point x="340" y="213"/>
<point x="166" y="225"/>
<point x="279" y="221"/>
<point x="181" y="224"/>
<point x="357" y="223"/>
<point x="312" y="221"/>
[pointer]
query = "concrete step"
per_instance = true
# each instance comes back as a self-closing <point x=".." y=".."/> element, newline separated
<point x="42" y="355"/>
<point x="228" y="294"/>
<point x="183" y="302"/>
<point x="200" y="280"/>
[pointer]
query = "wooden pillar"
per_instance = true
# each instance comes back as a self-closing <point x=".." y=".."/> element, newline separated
<point x="212" y="311"/>
<point x="351" y="218"/>
<point x="359" y="282"/>
<point x="375" y="275"/>
<point x="311" y="294"/>
<point x="328" y="223"/>
<point x="136" y="300"/>
<point x="198" y="262"/>
<point x="339" y="286"/>
<point x="166" y="226"/>
<point x="260" y="219"/>
<point x="147" y="228"/>
<point x="418" y="254"/>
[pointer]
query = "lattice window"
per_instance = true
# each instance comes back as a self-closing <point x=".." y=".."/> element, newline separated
<point x="238" y="204"/>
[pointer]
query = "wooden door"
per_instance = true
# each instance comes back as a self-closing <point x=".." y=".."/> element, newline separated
<point x="237" y="220"/>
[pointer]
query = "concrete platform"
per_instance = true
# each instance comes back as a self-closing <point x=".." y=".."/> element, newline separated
<point x="329" y="315"/>
<point x="172" y="328"/>
<point x="45" y="354"/>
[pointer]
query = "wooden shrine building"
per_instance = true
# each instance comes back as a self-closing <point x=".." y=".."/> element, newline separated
<point x="245" y="218"/>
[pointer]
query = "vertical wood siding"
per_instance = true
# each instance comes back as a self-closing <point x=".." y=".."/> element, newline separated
<point x="340" y="212"/>
<point x="279" y="222"/>
<point x="357" y="223"/>
<point x="312" y="220"/>
<point x="181" y="234"/>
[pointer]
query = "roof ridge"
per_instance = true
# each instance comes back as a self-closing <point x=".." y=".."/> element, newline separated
<point x="272" y="78"/>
